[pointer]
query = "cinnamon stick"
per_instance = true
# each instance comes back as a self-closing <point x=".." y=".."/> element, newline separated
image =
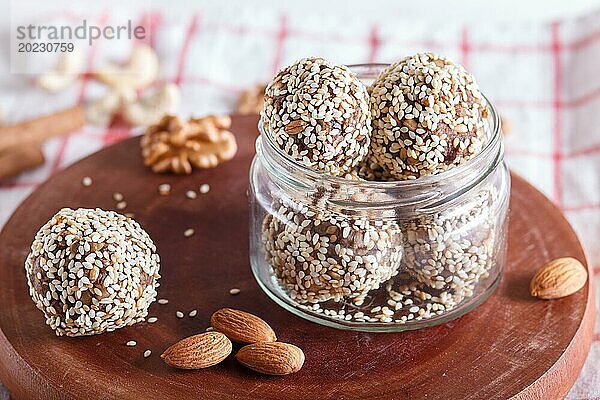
<point x="39" y="129"/>
<point x="19" y="159"/>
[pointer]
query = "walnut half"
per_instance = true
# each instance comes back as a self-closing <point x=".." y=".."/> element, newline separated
<point x="176" y="146"/>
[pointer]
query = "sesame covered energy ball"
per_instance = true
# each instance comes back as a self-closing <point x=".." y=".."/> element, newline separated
<point x="92" y="271"/>
<point x="318" y="255"/>
<point x="428" y="116"/>
<point x="452" y="251"/>
<point x="318" y="113"/>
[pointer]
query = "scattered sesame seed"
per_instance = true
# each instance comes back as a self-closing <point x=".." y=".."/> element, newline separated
<point x="152" y="320"/>
<point x="179" y="314"/>
<point x="121" y="205"/>
<point x="204" y="188"/>
<point x="131" y="343"/>
<point x="234" y="291"/>
<point x="163" y="301"/>
<point x="86" y="181"/>
<point x="188" y="232"/>
<point x="147" y="353"/>
<point x="117" y="196"/>
<point x="130" y="215"/>
<point x="164" y="189"/>
<point x="209" y="329"/>
<point x="190" y="194"/>
<point x="193" y="313"/>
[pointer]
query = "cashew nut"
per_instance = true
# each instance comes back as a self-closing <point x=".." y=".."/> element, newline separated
<point x="140" y="71"/>
<point x="65" y="73"/>
<point x="101" y="111"/>
<point x="151" y="108"/>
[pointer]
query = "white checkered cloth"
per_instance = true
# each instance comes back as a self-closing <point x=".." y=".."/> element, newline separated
<point x="543" y="78"/>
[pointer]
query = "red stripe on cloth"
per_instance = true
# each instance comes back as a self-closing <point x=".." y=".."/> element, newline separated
<point x="527" y="153"/>
<point x="19" y="184"/>
<point x="582" y="207"/>
<point x="584" y="41"/>
<point x="151" y="22"/>
<point x="584" y="99"/>
<point x="557" y="128"/>
<point x="374" y="44"/>
<point x="510" y="48"/>
<point x="218" y="85"/>
<point x="336" y="37"/>
<point x="586" y="151"/>
<point x="574" y="103"/>
<point x="465" y="47"/>
<point x="62" y="148"/>
<point x="282" y="34"/>
<point x="515" y="103"/>
<point x="574" y="154"/>
<point x="185" y="48"/>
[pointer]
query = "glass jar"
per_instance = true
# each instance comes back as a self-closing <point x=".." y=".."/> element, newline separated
<point x="379" y="256"/>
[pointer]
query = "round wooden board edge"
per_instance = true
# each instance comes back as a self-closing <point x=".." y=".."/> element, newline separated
<point x="563" y="374"/>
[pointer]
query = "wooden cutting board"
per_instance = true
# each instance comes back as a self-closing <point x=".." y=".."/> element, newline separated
<point x="512" y="345"/>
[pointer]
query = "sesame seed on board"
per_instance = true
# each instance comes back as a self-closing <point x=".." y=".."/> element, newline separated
<point x="234" y="291"/>
<point x="188" y="232"/>
<point x="86" y="181"/>
<point x="204" y="188"/>
<point x="190" y="194"/>
<point x="164" y="189"/>
<point x="117" y="196"/>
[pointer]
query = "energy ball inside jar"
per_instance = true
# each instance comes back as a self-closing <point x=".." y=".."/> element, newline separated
<point x="319" y="255"/>
<point x="92" y="271"/>
<point x="453" y="251"/>
<point x="318" y="114"/>
<point x="428" y="116"/>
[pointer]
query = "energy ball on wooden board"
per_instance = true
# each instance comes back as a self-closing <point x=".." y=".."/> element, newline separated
<point x="319" y="256"/>
<point x="92" y="271"/>
<point x="318" y="113"/>
<point x="428" y="116"/>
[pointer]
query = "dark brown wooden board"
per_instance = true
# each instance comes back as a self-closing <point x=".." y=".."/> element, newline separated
<point x="512" y="345"/>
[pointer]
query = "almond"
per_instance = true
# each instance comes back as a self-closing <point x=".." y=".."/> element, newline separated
<point x="294" y="127"/>
<point x="274" y="358"/>
<point x="558" y="278"/>
<point x="198" y="351"/>
<point x="242" y="327"/>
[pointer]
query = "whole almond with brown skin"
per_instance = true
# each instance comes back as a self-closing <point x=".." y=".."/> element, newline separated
<point x="242" y="327"/>
<point x="558" y="278"/>
<point x="275" y="358"/>
<point x="198" y="351"/>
